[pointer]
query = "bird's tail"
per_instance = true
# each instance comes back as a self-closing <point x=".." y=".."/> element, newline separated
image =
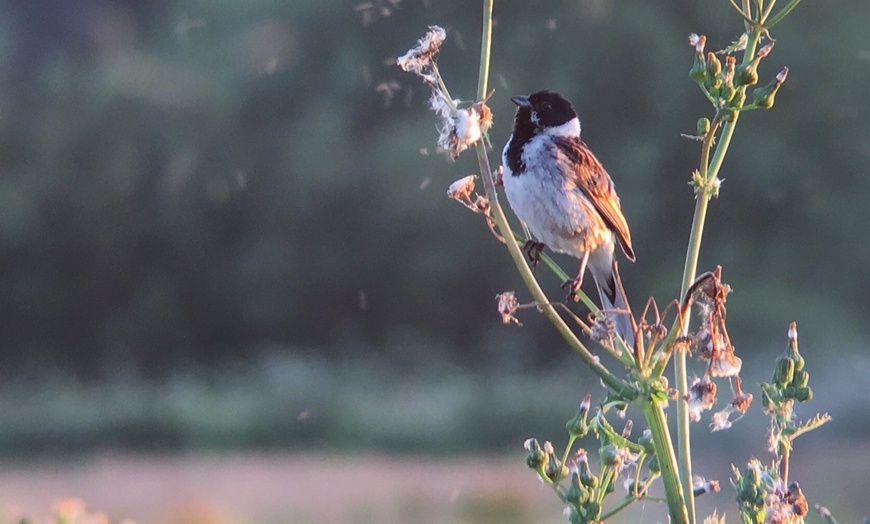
<point x="614" y="302"/>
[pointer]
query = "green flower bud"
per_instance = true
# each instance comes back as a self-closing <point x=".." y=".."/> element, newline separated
<point x="646" y="441"/>
<point x="586" y="478"/>
<point x="653" y="465"/>
<point x="553" y="468"/>
<point x="727" y="74"/>
<point x="801" y="379"/>
<point x="792" y="350"/>
<point x="749" y="490"/>
<point x="576" y="492"/>
<point x="752" y="477"/>
<point x="714" y="67"/>
<point x="783" y="374"/>
<point x="763" y="97"/>
<point x="577" y="427"/>
<point x="737" y="101"/>
<point x="799" y="361"/>
<point x="574" y="516"/>
<point x="610" y="456"/>
<point x="535" y="459"/>
<point x="714" y="90"/>
<point x="699" y="69"/>
<point x="746" y="74"/>
<point x="803" y="394"/>
<point x="703" y="126"/>
<point x="726" y="92"/>
<point x="593" y="512"/>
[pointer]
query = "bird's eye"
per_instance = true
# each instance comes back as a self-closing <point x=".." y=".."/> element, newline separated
<point x="546" y="106"/>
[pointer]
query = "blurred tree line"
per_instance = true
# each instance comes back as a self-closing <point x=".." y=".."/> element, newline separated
<point x="196" y="182"/>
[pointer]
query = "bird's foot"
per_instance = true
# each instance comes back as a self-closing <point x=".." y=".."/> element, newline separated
<point x="573" y="287"/>
<point x="533" y="250"/>
<point x="574" y="284"/>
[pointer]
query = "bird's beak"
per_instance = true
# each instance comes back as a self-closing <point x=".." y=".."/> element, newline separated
<point x="522" y="101"/>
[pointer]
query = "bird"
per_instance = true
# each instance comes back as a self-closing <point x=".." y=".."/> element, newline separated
<point x="560" y="190"/>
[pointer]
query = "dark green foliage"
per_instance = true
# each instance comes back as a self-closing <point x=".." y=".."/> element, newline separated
<point x="167" y="194"/>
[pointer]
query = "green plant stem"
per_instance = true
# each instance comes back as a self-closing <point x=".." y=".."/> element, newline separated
<point x="616" y="438"/>
<point x="767" y="10"/>
<point x="497" y="215"/>
<point x="709" y="173"/>
<point x="485" y="50"/>
<point x="619" y="506"/>
<point x="786" y="455"/>
<point x="626" y="501"/>
<point x="740" y="11"/>
<point x="568" y="446"/>
<point x="443" y="87"/>
<point x="689" y="271"/>
<point x="661" y="438"/>
<point x="608" y="476"/>
<point x="782" y="14"/>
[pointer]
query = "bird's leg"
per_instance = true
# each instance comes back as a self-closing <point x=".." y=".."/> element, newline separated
<point x="574" y="285"/>
<point x="533" y="250"/>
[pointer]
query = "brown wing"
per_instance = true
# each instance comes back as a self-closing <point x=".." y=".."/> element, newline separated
<point x="593" y="180"/>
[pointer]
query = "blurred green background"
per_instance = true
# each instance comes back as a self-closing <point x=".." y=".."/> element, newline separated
<point x="223" y="224"/>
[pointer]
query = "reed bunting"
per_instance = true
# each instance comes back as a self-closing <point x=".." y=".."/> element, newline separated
<point x="562" y="193"/>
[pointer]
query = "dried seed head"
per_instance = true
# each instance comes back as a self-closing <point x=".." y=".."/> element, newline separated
<point x="467" y="127"/>
<point x="742" y="402"/>
<point x="725" y="364"/>
<point x="702" y="396"/>
<point x="507" y="306"/>
<point x="485" y="115"/>
<point x="420" y="57"/>
<point x="603" y="327"/>
<point x="481" y="205"/>
<point x="462" y="188"/>
<point x="700" y="485"/>
<point x="719" y="420"/>
<point x="459" y="132"/>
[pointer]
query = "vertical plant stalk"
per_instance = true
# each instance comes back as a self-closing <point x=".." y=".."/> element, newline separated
<point x="654" y="414"/>
<point x="709" y="170"/>
<point x="498" y="216"/>
<point x="676" y="496"/>
<point x="485" y="52"/>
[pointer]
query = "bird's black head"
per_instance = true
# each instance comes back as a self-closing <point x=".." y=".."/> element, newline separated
<point x="543" y="109"/>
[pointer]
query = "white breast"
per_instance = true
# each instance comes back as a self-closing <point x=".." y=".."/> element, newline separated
<point x="556" y="212"/>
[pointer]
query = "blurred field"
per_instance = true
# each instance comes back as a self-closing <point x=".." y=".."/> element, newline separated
<point x="356" y="443"/>
<point x="353" y="488"/>
<point x="285" y="488"/>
